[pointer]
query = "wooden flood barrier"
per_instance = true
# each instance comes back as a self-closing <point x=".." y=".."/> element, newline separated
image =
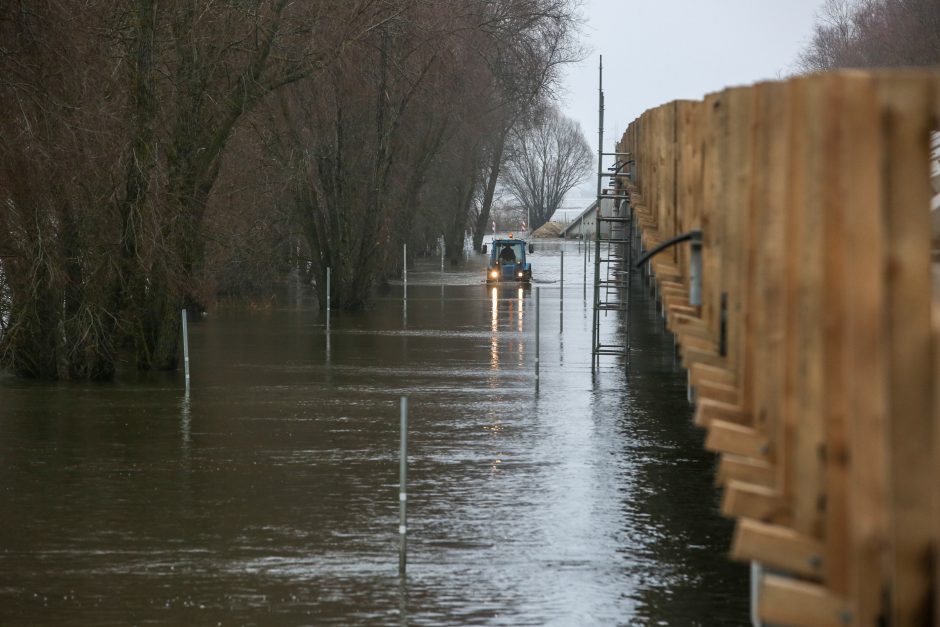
<point x="815" y="353"/>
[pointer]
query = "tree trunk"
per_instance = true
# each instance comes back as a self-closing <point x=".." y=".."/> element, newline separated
<point x="479" y="229"/>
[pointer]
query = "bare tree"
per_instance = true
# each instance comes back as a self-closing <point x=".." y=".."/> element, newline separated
<point x="546" y="161"/>
<point x="531" y="40"/>
<point x="874" y="33"/>
<point x="119" y="117"/>
<point x="148" y="162"/>
<point x="358" y="142"/>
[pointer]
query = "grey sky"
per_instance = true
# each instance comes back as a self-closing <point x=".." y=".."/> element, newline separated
<point x="656" y="51"/>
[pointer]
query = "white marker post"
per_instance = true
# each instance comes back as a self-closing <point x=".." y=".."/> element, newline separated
<point x="404" y="273"/>
<point x="561" y="295"/>
<point x="328" y="300"/>
<point x="584" y="278"/>
<point x="537" y="339"/>
<point x="186" y="350"/>
<point x="403" y="490"/>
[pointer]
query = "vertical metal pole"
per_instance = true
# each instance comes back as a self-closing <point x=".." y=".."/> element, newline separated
<point x="584" y="279"/>
<point x="186" y="349"/>
<point x="695" y="274"/>
<point x="404" y="273"/>
<point x="442" y="256"/>
<point x="328" y="271"/>
<point x="757" y="573"/>
<point x="537" y="338"/>
<point x="561" y="295"/>
<point x="595" y="331"/>
<point x="403" y="490"/>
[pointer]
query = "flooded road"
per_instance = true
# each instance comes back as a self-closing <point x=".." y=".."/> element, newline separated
<point x="270" y="495"/>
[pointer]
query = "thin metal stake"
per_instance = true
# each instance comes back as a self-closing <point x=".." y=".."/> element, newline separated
<point x="403" y="489"/>
<point x="186" y="349"/>
<point x="537" y="339"/>
<point x="561" y="295"/>
<point x="328" y="300"/>
<point x="404" y="273"/>
<point x="585" y="273"/>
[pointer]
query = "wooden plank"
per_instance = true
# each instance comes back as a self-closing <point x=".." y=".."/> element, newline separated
<point x="785" y="601"/>
<point x="748" y="186"/>
<point x="835" y="393"/>
<point x="745" y="469"/>
<point x="865" y="348"/>
<point x="778" y="547"/>
<point x="770" y="220"/>
<point x="684" y="319"/>
<point x="687" y="171"/>
<point x="746" y="500"/>
<point x="700" y="344"/>
<point x="683" y="324"/>
<point x="727" y="437"/>
<point x="709" y="410"/>
<point x="936" y="441"/>
<point x="724" y="394"/>
<point x="713" y="112"/>
<point x="692" y="355"/>
<point x="736" y="224"/>
<point x="906" y="112"/>
<point x="704" y="372"/>
<point x="804" y="481"/>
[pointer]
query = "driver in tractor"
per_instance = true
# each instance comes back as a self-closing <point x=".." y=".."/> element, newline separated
<point x="506" y="255"/>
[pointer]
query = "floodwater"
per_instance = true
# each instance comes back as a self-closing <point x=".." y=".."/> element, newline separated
<point x="269" y="496"/>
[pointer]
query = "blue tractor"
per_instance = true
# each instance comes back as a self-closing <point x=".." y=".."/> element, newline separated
<point x="507" y="262"/>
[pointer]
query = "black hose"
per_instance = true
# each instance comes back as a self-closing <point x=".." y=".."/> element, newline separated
<point x="678" y="239"/>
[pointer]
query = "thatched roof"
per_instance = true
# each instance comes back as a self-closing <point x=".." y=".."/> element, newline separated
<point x="549" y="230"/>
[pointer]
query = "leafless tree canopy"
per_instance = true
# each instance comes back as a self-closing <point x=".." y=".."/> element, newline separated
<point x="874" y="33"/>
<point x="547" y="159"/>
<point x="156" y="155"/>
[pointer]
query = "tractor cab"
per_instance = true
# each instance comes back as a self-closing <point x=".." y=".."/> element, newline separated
<point x="507" y="262"/>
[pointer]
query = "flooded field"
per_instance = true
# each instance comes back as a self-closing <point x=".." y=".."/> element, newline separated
<point x="269" y="495"/>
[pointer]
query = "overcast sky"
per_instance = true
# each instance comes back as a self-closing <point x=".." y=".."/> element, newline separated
<point x="656" y="51"/>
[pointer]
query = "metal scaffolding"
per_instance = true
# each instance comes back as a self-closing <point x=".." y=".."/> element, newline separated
<point x="612" y="245"/>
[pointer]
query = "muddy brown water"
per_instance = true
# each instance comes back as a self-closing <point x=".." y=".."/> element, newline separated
<point x="269" y="496"/>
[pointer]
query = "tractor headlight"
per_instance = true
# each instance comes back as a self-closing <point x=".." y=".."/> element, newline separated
<point x="494" y="274"/>
<point x="519" y="274"/>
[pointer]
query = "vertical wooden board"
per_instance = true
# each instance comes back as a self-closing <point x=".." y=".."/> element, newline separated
<point x="935" y="471"/>
<point x="737" y="177"/>
<point x="681" y="208"/>
<point x="710" y="218"/>
<point x="750" y="245"/>
<point x="638" y="164"/>
<point x="667" y="206"/>
<point x="770" y="224"/>
<point x="810" y="376"/>
<point x="634" y="142"/>
<point x="650" y="157"/>
<point x="687" y="179"/>
<point x="865" y="346"/>
<point x="835" y="279"/>
<point x="658" y="200"/>
<point x="906" y="118"/>
<point x="691" y="165"/>
<point x="672" y="188"/>
<point x="795" y="199"/>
